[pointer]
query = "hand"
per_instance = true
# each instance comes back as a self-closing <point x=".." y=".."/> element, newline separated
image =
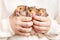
<point x="41" y="24"/>
<point x="21" y="25"/>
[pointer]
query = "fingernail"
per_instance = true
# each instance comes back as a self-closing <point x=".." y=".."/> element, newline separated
<point x="33" y="15"/>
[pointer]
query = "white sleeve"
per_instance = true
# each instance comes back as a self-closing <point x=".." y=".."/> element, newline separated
<point x="5" y="29"/>
<point x="55" y="25"/>
<point x="54" y="32"/>
<point x="54" y="28"/>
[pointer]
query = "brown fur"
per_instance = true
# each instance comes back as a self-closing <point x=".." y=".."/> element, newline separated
<point x="28" y="11"/>
<point x="42" y="12"/>
<point x="31" y="11"/>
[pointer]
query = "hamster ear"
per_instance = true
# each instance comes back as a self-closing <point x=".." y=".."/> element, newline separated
<point x="19" y="6"/>
<point x="27" y="7"/>
<point x="38" y="10"/>
<point x="33" y="7"/>
<point x="45" y="9"/>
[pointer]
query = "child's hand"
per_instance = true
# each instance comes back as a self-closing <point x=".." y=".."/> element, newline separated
<point x="21" y="25"/>
<point x="41" y="24"/>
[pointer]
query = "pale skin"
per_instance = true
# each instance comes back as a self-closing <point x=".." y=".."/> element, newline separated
<point x="17" y="23"/>
<point x="41" y="24"/>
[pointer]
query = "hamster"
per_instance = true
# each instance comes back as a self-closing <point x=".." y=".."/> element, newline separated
<point x="42" y="12"/>
<point x="31" y="11"/>
<point x="20" y="10"/>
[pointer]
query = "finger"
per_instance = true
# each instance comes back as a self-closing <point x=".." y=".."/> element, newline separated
<point x="43" y="32"/>
<point x="23" y="18"/>
<point x="25" y="24"/>
<point x="41" y="28"/>
<point x="41" y="23"/>
<point x="22" y="34"/>
<point x="24" y="30"/>
<point x="41" y="18"/>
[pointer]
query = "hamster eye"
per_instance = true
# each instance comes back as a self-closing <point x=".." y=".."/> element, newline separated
<point x="30" y="10"/>
<point x="20" y="8"/>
